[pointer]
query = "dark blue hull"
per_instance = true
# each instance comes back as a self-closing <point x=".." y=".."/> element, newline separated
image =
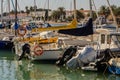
<point x="114" y="69"/>
<point x="6" y="45"/>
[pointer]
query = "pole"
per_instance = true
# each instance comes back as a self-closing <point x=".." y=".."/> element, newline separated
<point x="95" y="9"/>
<point x="9" y="8"/>
<point x="2" y="11"/>
<point x="35" y="8"/>
<point x="48" y="10"/>
<point x="16" y="17"/>
<point x="91" y="13"/>
<point x="91" y="16"/>
<point x="75" y="9"/>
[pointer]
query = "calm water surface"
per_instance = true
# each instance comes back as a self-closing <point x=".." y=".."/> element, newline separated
<point x="10" y="69"/>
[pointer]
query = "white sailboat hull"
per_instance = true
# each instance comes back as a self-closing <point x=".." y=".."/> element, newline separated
<point x="49" y="55"/>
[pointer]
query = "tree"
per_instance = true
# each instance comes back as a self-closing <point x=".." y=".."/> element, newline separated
<point x="62" y="13"/>
<point x="102" y="10"/>
<point x="118" y="11"/>
<point x="81" y="9"/>
<point x="12" y="12"/>
<point x="80" y="15"/>
<point x="27" y="10"/>
<point x="31" y="8"/>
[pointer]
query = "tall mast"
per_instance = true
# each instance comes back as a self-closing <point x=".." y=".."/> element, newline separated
<point x="48" y="10"/>
<point x="16" y="25"/>
<point x="91" y="13"/>
<point x="9" y="8"/>
<point x="95" y="9"/>
<point x="91" y="16"/>
<point x="115" y="22"/>
<point x="2" y="11"/>
<point x="35" y="8"/>
<point x="75" y="9"/>
<point x="15" y="11"/>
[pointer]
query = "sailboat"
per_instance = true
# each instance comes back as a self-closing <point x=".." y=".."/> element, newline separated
<point x="6" y="38"/>
<point x="44" y="46"/>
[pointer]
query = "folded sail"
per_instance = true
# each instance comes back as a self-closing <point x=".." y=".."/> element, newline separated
<point x="71" y="25"/>
<point x="84" y="31"/>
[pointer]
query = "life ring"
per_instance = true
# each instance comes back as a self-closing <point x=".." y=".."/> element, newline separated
<point x="38" y="50"/>
<point x="23" y="29"/>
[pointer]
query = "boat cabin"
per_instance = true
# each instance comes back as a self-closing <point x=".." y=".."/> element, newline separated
<point x="108" y="39"/>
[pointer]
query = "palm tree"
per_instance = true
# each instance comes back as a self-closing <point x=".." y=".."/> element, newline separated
<point x="79" y="15"/>
<point x="62" y="12"/>
<point x="27" y="10"/>
<point x="31" y="8"/>
<point x="118" y="11"/>
<point x="102" y="10"/>
<point x="55" y="15"/>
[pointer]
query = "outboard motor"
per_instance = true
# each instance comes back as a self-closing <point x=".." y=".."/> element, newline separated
<point x="68" y="54"/>
<point x="107" y="55"/>
<point x="87" y="55"/>
<point x="25" y="50"/>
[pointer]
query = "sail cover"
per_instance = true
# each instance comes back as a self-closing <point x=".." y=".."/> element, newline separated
<point x="83" y="31"/>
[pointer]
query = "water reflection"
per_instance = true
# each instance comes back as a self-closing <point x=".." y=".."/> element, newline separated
<point x="7" y="70"/>
<point x="38" y="71"/>
<point x="113" y="77"/>
<point x="11" y="69"/>
<point x="30" y="71"/>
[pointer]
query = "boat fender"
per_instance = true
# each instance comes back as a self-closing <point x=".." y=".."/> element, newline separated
<point x="38" y="50"/>
<point x="21" y="30"/>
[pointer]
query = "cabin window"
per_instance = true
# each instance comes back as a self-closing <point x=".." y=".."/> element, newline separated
<point x="102" y="39"/>
<point x="108" y="39"/>
<point x="118" y="37"/>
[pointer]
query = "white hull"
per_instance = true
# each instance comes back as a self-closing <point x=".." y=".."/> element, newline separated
<point x="49" y="55"/>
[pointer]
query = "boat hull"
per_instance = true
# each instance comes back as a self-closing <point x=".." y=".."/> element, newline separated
<point x="49" y="55"/>
<point x="6" y="45"/>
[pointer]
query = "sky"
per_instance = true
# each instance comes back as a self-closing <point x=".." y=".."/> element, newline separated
<point x="54" y="4"/>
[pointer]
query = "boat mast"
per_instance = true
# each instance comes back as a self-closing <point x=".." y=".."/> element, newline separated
<point x="48" y="10"/>
<point x="91" y="12"/>
<point x="91" y="15"/>
<point x="75" y="9"/>
<point x="35" y="8"/>
<point x="115" y="22"/>
<point x="9" y="8"/>
<point x="16" y="17"/>
<point x="2" y="11"/>
<point x="95" y="8"/>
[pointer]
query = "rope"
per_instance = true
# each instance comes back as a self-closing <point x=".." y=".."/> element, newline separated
<point x="13" y="5"/>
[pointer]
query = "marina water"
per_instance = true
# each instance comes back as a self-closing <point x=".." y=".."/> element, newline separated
<point x="11" y="69"/>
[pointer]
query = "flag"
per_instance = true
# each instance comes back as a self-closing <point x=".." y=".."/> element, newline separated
<point x="16" y="25"/>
